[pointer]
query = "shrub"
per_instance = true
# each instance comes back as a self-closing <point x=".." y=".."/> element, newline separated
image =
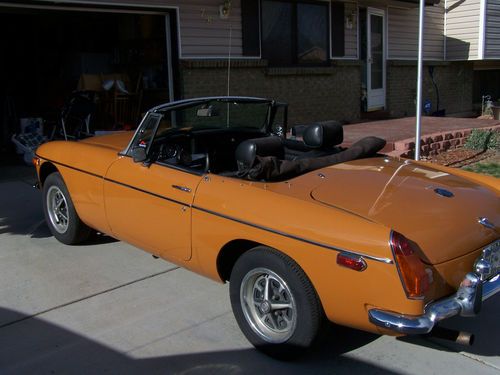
<point x="481" y="140"/>
<point x="494" y="143"/>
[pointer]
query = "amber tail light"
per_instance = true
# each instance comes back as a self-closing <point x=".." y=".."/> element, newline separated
<point x="411" y="269"/>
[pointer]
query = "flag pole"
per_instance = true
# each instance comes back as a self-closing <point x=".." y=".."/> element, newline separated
<point x="418" y="113"/>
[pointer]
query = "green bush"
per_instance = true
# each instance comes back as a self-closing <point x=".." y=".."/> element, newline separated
<point x="495" y="141"/>
<point x="481" y="140"/>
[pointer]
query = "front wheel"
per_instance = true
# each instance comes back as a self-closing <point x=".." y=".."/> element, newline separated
<point x="274" y="303"/>
<point x="60" y="214"/>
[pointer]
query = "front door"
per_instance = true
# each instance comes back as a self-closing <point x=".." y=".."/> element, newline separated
<point x="150" y="206"/>
<point x="375" y="59"/>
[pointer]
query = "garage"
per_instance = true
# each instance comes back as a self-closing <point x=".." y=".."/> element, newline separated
<point x="88" y="67"/>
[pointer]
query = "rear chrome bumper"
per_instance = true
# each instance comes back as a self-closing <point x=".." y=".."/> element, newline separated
<point x="475" y="288"/>
<point x="466" y="302"/>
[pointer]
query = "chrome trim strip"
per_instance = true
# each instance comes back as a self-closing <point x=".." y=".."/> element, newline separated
<point x="68" y="166"/>
<point x="147" y="192"/>
<point x="305" y="240"/>
<point x="119" y="183"/>
<point x="315" y="243"/>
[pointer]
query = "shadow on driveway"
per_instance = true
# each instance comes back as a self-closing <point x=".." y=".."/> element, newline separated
<point x="34" y="345"/>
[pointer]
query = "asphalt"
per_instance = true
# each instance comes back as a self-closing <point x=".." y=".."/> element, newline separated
<point x="108" y="308"/>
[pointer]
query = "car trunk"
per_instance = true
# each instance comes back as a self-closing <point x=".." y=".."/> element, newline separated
<point x="436" y="210"/>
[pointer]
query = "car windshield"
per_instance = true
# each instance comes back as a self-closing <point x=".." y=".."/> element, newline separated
<point x="216" y="114"/>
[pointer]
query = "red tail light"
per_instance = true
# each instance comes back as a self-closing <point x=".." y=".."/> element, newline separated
<point x="410" y="267"/>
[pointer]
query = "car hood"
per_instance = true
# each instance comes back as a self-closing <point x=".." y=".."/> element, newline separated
<point x="117" y="141"/>
<point x="436" y="210"/>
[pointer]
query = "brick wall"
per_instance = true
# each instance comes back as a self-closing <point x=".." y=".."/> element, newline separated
<point x="435" y="143"/>
<point x="313" y="94"/>
<point x="454" y="81"/>
<point x="329" y="93"/>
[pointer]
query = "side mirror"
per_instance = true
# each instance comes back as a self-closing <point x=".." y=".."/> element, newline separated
<point x="139" y="155"/>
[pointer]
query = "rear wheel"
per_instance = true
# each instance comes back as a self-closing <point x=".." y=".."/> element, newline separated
<point x="60" y="214"/>
<point x="274" y="303"/>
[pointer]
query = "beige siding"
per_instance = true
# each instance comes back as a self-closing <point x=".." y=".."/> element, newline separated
<point x="202" y="32"/>
<point x="403" y="33"/>
<point x="351" y="35"/>
<point x="462" y="29"/>
<point x="492" y="30"/>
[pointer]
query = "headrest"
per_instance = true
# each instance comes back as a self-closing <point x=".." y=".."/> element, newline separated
<point x="324" y="135"/>
<point x="249" y="149"/>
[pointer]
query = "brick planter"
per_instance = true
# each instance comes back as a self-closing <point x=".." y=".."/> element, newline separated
<point x="434" y="144"/>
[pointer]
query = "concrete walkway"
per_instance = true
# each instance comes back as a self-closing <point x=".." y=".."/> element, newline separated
<point x="108" y="308"/>
<point x="404" y="128"/>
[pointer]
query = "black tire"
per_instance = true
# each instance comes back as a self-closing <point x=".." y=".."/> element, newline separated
<point x="64" y="224"/>
<point x="292" y="336"/>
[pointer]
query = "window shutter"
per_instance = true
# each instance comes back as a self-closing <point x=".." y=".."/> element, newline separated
<point x="250" y="27"/>
<point x="338" y="37"/>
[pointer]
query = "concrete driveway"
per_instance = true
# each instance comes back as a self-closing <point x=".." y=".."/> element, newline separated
<point x="107" y="307"/>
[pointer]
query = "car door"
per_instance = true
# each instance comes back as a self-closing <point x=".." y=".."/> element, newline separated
<point x="150" y="205"/>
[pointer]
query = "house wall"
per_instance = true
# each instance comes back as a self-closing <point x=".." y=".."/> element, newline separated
<point x="314" y="94"/>
<point x="351" y="35"/>
<point x="403" y="33"/>
<point x="202" y="32"/>
<point x="454" y="81"/>
<point x="462" y="29"/>
<point x="326" y="93"/>
<point x="492" y="30"/>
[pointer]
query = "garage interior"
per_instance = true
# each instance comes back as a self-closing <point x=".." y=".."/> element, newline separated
<point x="118" y="61"/>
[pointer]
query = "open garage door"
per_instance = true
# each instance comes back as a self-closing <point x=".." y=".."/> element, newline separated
<point x="123" y="58"/>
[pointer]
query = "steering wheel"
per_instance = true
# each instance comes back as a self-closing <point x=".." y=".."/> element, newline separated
<point x="186" y="159"/>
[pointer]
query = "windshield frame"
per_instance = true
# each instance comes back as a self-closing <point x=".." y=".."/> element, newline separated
<point x="187" y="103"/>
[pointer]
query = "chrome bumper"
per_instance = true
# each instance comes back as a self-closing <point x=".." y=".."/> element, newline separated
<point x="466" y="302"/>
<point x="475" y="288"/>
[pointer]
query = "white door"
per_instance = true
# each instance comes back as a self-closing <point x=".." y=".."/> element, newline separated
<point x="375" y="55"/>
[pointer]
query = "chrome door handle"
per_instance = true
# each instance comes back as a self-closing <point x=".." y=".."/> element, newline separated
<point x="182" y="188"/>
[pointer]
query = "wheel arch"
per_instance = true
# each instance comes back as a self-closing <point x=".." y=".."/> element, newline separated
<point x="230" y="253"/>
<point x="46" y="169"/>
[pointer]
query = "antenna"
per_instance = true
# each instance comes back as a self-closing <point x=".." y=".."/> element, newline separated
<point x="229" y="70"/>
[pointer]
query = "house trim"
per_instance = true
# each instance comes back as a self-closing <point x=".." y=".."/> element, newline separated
<point x="482" y="30"/>
<point x="445" y="28"/>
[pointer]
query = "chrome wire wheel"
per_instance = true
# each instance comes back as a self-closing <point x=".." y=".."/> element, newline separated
<point x="268" y="305"/>
<point x="57" y="209"/>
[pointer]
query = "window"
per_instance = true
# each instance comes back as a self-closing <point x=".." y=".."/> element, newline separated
<point x="295" y="33"/>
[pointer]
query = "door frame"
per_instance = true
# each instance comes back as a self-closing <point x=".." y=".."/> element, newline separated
<point x="382" y="13"/>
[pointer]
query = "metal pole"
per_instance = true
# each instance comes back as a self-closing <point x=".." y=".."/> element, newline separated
<point x="419" y="78"/>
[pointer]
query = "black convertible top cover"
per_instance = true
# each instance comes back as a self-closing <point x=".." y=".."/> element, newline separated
<point x="272" y="168"/>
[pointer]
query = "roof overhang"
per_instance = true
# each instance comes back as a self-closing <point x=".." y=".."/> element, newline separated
<point x="427" y="2"/>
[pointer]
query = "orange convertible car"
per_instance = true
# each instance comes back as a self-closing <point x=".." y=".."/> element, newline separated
<point x="302" y="229"/>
